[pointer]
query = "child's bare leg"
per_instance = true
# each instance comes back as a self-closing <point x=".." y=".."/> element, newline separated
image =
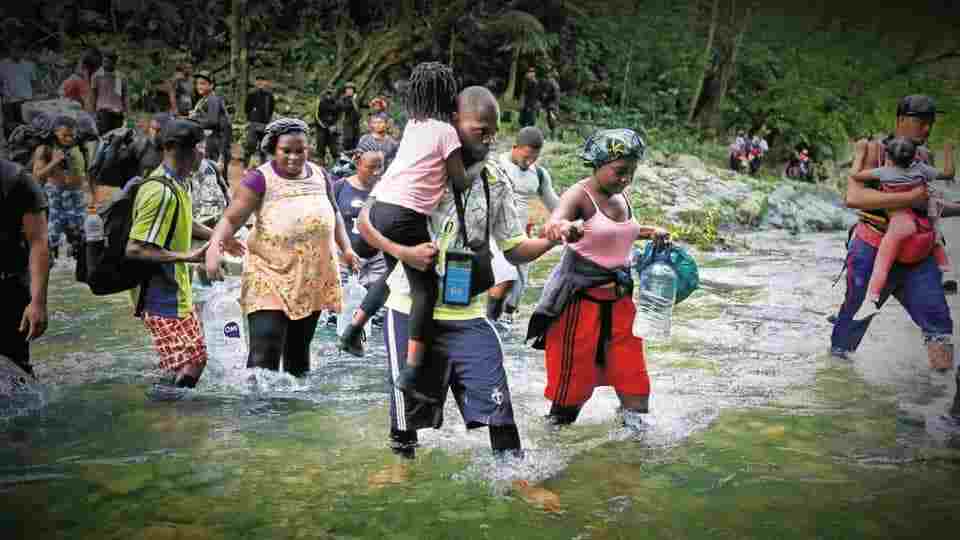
<point x="901" y="226"/>
<point x="940" y="255"/>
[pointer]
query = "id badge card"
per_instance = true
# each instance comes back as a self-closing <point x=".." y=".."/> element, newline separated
<point x="457" y="277"/>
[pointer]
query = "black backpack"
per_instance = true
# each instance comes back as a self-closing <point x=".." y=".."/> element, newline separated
<point x="25" y="138"/>
<point x="117" y="159"/>
<point x="109" y="270"/>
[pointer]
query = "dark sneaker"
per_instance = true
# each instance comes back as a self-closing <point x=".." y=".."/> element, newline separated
<point x="842" y="354"/>
<point x="950" y="286"/>
<point x="185" y="381"/>
<point x="352" y="340"/>
<point x="408" y="381"/>
<point x="332" y="320"/>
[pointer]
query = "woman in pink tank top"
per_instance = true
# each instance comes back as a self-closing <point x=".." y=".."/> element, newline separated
<point x="591" y="342"/>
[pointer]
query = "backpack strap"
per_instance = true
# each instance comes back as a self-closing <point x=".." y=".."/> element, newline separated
<point x="142" y="297"/>
<point x="461" y="210"/>
<point x="540" y="178"/>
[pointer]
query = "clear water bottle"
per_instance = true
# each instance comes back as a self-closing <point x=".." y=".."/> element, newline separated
<point x="223" y="320"/>
<point x="200" y="288"/>
<point x="654" y="293"/>
<point x="94" y="239"/>
<point x="93" y="226"/>
<point x="353" y="294"/>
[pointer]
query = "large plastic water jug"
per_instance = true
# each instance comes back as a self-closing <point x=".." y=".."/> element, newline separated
<point x="223" y="323"/>
<point x="654" y="293"/>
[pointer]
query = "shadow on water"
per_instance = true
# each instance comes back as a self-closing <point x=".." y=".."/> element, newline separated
<point x="754" y="432"/>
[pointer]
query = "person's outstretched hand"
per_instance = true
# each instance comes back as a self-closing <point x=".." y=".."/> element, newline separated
<point x="233" y="247"/>
<point x="351" y="259"/>
<point x="660" y="236"/>
<point x="212" y="263"/>
<point x="34" y="321"/>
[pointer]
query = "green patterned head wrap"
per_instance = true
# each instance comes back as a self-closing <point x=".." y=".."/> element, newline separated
<point x="609" y="145"/>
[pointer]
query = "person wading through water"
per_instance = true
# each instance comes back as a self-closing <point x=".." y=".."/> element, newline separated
<point x="584" y="319"/>
<point x="290" y="273"/>
<point x="162" y="215"/>
<point x="210" y="112"/>
<point x="466" y="356"/>
<point x="430" y="157"/>
<point x="918" y="287"/>
<point x="24" y="269"/>
<point x="529" y="181"/>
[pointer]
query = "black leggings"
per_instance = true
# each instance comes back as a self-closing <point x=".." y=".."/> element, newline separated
<point x="273" y="334"/>
<point x="408" y="228"/>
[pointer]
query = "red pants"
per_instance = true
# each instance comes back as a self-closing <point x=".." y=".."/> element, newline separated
<point x="592" y="344"/>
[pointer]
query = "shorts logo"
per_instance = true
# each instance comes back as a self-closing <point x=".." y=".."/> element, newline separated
<point x="497" y="396"/>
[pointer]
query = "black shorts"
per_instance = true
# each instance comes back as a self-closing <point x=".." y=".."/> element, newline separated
<point x="15" y="292"/>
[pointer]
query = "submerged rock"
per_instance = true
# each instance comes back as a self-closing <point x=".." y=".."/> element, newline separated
<point x="19" y="391"/>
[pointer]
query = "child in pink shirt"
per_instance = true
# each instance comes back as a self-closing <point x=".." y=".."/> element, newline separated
<point x="429" y="158"/>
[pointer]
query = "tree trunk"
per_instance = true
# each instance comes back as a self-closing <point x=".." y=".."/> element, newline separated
<point x="453" y="46"/>
<point x="341" y="38"/>
<point x="234" y="22"/>
<point x="396" y="45"/>
<point x="730" y="67"/>
<point x="705" y="64"/>
<point x="626" y="78"/>
<point x="244" y="79"/>
<point x="508" y="94"/>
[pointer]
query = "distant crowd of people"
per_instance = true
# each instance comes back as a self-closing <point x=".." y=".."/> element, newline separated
<point x="747" y="152"/>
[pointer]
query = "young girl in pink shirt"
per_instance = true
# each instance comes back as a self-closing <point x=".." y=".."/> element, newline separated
<point x="429" y="158"/>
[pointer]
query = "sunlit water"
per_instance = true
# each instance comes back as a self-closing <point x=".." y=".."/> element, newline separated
<point x="754" y="431"/>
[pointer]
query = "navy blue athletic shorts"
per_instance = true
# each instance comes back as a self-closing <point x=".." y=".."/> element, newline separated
<point x="466" y="357"/>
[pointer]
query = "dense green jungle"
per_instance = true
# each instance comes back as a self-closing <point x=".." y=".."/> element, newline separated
<point x="690" y="74"/>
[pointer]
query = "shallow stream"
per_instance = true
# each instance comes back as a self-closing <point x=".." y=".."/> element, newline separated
<point x="755" y="432"/>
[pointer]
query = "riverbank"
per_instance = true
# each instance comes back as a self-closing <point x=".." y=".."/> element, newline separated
<point x="708" y="205"/>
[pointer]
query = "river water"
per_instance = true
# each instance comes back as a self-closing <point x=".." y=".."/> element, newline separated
<point x="755" y="432"/>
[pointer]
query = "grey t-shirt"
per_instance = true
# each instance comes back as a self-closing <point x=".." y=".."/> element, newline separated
<point x="897" y="176"/>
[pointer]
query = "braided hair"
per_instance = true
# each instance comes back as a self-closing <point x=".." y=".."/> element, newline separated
<point x="432" y="92"/>
<point x="281" y="126"/>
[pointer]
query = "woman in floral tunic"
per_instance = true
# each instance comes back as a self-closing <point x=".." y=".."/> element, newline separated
<point x="290" y="273"/>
